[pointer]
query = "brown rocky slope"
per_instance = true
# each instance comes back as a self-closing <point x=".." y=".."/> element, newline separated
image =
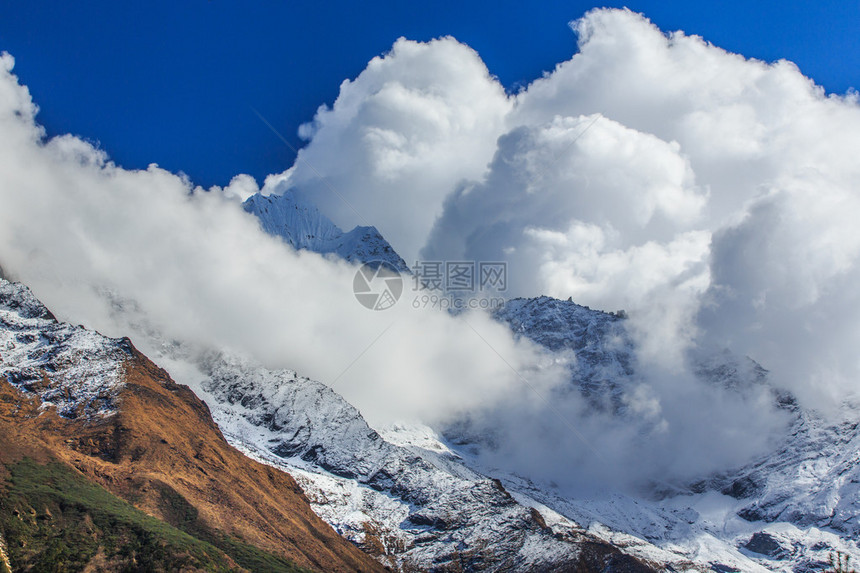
<point x="158" y="450"/>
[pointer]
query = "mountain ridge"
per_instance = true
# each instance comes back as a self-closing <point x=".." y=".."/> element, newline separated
<point x="297" y="221"/>
<point x="413" y="509"/>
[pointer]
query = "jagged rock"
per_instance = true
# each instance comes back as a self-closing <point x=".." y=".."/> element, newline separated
<point x="768" y="545"/>
<point x="300" y="224"/>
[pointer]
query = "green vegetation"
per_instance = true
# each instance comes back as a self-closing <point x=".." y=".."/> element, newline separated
<point x="183" y="515"/>
<point x="54" y="519"/>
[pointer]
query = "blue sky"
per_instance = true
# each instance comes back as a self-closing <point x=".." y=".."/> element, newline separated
<point x="175" y="82"/>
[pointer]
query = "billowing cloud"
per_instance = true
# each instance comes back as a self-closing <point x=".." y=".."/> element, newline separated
<point x="782" y="287"/>
<point x="145" y="254"/>
<point x="710" y="195"/>
<point x="584" y="207"/>
<point x="415" y="122"/>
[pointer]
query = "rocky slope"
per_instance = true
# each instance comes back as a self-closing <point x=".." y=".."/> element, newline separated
<point x="415" y="508"/>
<point x="787" y="511"/>
<point x="406" y="497"/>
<point x="106" y="462"/>
<point x="812" y="480"/>
<point x="300" y="224"/>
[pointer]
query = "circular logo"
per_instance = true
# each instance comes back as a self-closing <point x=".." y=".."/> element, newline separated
<point x="377" y="286"/>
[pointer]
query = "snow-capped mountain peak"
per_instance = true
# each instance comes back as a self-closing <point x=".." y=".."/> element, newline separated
<point x="296" y="220"/>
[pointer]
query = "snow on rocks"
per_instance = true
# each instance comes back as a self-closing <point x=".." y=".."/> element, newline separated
<point x="783" y="512"/>
<point x="297" y="221"/>
<point x="77" y="371"/>
<point x="411" y="500"/>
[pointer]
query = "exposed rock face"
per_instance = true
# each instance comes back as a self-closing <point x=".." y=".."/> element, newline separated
<point x="79" y="372"/>
<point x="766" y="544"/>
<point x="74" y="397"/>
<point x="812" y="479"/>
<point x="415" y="507"/>
<point x="605" y="360"/>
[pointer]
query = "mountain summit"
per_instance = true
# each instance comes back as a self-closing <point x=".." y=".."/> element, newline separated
<point x="296" y="220"/>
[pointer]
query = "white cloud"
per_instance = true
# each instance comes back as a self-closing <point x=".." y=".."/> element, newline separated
<point x="143" y="252"/>
<point x="241" y="187"/>
<point x="692" y="143"/>
<point x="399" y="137"/>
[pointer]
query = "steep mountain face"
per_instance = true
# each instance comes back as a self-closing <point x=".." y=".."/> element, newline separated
<point x="406" y="497"/>
<point x="812" y="480"/>
<point x="300" y="224"/>
<point x="415" y="508"/>
<point x="108" y="463"/>
<point x="605" y="359"/>
<point x="605" y="364"/>
<point x="78" y="372"/>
